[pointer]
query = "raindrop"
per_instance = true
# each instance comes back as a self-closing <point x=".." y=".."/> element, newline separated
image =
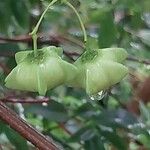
<point x="44" y="104"/>
<point x="99" y="96"/>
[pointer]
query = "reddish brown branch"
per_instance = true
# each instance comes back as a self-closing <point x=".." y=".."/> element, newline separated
<point x="147" y="62"/>
<point x="1" y="147"/>
<point x="68" y="55"/>
<point x="55" y="40"/>
<point x="25" y="100"/>
<point x="23" y="38"/>
<point x="5" y="68"/>
<point x="28" y="132"/>
<point x="51" y="39"/>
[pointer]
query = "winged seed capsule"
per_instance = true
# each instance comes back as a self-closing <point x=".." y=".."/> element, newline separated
<point x="41" y="73"/>
<point x="100" y="69"/>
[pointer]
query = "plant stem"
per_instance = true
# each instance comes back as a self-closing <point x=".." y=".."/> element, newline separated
<point x="25" y="130"/>
<point x="80" y="20"/>
<point x="34" y="37"/>
<point x="35" y="30"/>
<point x="24" y="100"/>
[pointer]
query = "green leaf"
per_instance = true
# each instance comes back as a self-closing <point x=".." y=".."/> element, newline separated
<point x="143" y="138"/>
<point x="8" y="48"/>
<point x="54" y="111"/>
<point x="5" y="13"/>
<point x="107" y="30"/>
<point x="94" y="144"/>
<point x="145" y="112"/>
<point x="115" y="118"/>
<point x="86" y="111"/>
<point x="84" y="134"/>
<point x="119" y="142"/>
<point x="20" y="12"/>
<point x="17" y="140"/>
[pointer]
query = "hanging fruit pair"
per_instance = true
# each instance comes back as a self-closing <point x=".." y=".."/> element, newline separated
<point x="100" y="69"/>
<point x="40" y="73"/>
<point x="43" y="69"/>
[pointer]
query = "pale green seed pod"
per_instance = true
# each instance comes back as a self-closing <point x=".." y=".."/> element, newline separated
<point x="113" y="54"/>
<point x="102" y="75"/>
<point x="99" y="69"/>
<point x="38" y="74"/>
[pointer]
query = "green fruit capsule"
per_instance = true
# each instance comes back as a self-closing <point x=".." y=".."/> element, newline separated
<point x="100" y="69"/>
<point x="113" y="54"/>
<point x="40" y="73"/>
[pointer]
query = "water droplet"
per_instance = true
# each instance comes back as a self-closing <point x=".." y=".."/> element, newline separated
<point x="44" y="104"/>
<point x="99" y="96"/>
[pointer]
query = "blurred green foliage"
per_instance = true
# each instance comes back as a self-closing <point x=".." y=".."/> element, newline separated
<point x="70" y="117"/>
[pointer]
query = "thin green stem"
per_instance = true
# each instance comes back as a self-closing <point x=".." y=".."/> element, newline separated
<point x="42" y="16"/>
<point x="35" y="30"/>
<point x="80" y="20"/>
<point x="34" y="37"/>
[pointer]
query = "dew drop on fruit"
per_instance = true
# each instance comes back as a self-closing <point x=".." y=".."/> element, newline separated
<point x="99" y="96"/>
